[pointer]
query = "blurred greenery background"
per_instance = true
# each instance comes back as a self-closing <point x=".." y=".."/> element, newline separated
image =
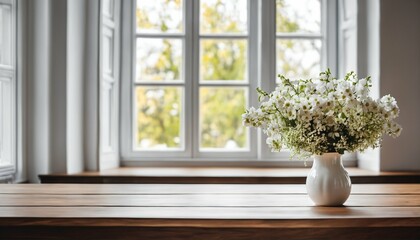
<point x="159" y="109"/>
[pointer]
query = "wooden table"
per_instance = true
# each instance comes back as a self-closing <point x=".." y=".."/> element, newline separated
<point x="183" y="211"/>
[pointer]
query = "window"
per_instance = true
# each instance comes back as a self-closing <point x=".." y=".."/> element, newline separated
<point x="7" y="89"/>
<point x="222" y="76"/>
<point x="195" y="66"/>
<point x="159" y="84"/>
<point x="298" y="38"/>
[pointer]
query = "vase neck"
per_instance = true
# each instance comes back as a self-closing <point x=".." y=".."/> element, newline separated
<point x="328" y="160"/>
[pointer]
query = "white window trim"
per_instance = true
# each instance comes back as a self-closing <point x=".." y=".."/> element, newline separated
<point x="262" y="67"/>
<point x="109" y="84"/>
<point x="7" y="171"/>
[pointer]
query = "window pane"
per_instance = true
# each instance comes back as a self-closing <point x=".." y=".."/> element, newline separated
<point x="223" y="16"/>
<point x="158" y="118"/>
<point x="298" y="16"/>
<point x="5" y="34"/>
<point x="223" y="60"/>
<point x="220" y="118"/>
<point x="159" y="59"/>
<point x="158" y="16"/>
<point x="298" y="58"/>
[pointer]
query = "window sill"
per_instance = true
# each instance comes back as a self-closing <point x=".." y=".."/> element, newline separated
<point x="220" y="175"/>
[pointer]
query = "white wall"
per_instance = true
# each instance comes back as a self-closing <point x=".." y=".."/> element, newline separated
<point x="400" y="77"/>
<point x="76" y="22"/>
<point x="38" y="85"/>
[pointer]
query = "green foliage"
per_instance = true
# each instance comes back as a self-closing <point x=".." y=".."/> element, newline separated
<point x="223" y="60"/>
<point x="220" y="116"/>
<point x="143" y="20"/>
<point x="283" y="24"/>
<point x="158" y="115"/>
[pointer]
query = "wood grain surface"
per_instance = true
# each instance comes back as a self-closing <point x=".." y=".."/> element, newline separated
<point x="208" y="211"/>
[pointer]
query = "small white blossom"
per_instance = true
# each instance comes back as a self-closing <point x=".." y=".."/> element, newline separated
<point x="274" y="142"/>
<point x="321" y="88"/>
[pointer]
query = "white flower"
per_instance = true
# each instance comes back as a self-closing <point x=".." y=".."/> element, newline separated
<point x="253" y="117"/>
<point x="274" y="142"/>
<point x="344" y="87"/>
<point x="395" y="129"/>
<point x="290" y="114"/>
<point x="305" y="115"/>
<point x="321" y="87"/>
<point x="288" y="105"/>
<point x="332" y="96"/>
<point x="330" y="85"/>
<point x="351" y="103"/>
<point x="310" y="87"/>
<point x="304" y="105"/>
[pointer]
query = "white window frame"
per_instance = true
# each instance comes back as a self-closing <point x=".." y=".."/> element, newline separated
<point x="261" y="40"/>
<point x="8" y="128"/>
<point x="109" y="68"/>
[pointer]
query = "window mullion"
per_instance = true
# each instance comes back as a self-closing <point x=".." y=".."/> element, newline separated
<point x="298" y="36"/>
<point x="163" y="84"/>
<point x="195" y="86"/>
<point x="253" y="28"/>
<point x="189" y="112"/>
<point x="223" y="36"/>
<point x="225" y="84"/>
<point x="329" y="21"/>
<point x="160" y="35"/>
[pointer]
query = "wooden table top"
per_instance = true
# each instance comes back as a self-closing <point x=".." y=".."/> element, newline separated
<point x="196" y="206"/>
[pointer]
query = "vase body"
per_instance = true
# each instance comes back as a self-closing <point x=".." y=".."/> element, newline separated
<point x="328" y="183"/>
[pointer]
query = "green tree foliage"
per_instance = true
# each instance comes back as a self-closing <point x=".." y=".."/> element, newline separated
<point x="158" y="116"/>
<point x="220" y="115"/>
<point x="163" y="13"/>
<point x="223" y="60"/>
<point x="283" y="23"/>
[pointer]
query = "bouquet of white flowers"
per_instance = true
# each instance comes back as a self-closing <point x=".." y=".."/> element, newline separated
<point x="324" y="115"/>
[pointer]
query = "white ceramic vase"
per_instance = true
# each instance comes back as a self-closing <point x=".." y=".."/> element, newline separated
<point x="328" y="183"/>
